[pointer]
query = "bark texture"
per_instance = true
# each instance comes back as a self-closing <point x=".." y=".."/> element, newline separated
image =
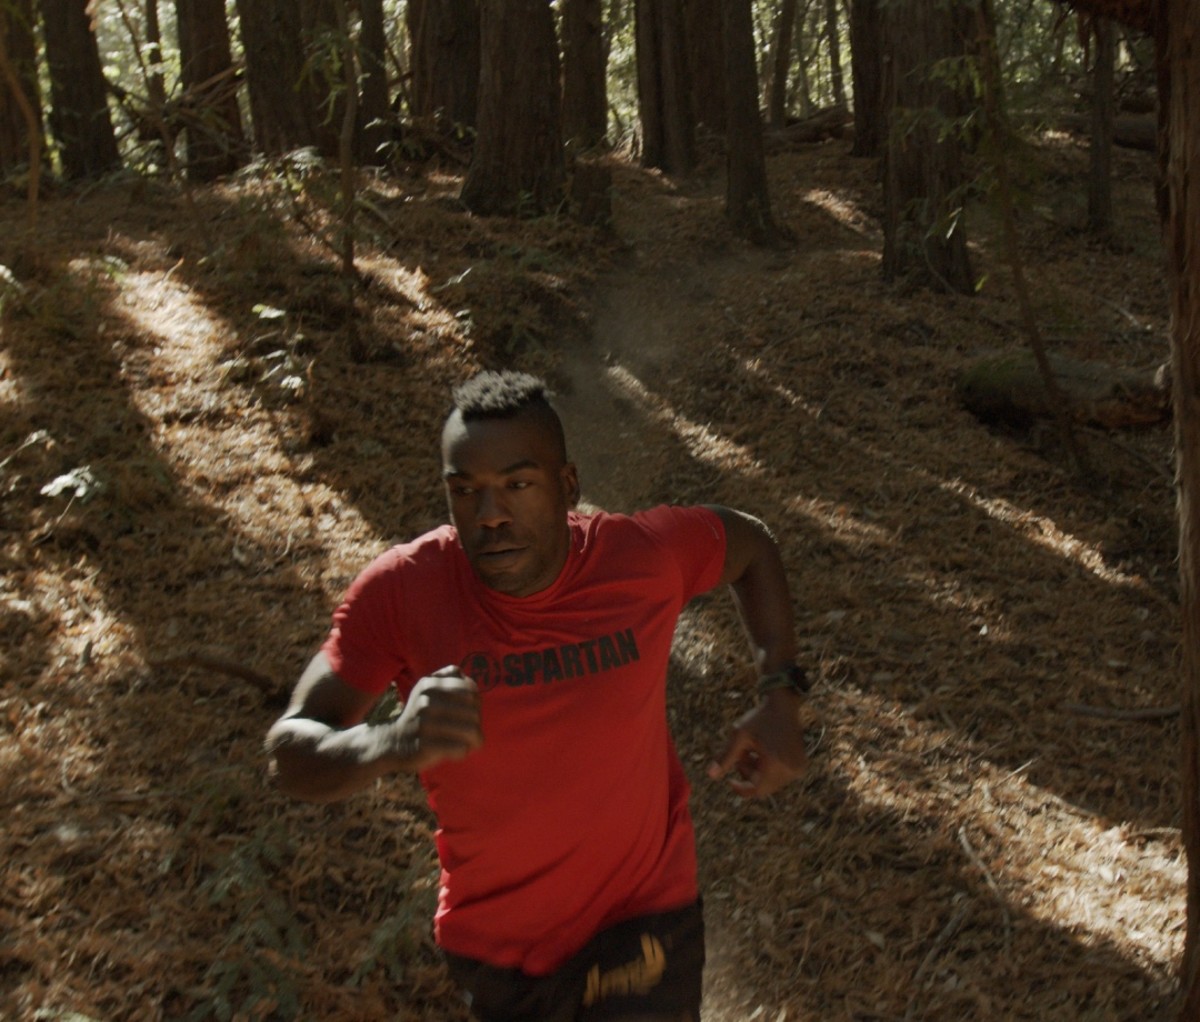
<point x="585" y="69"/>
<point x="924" y="236"/>
<point x="211" y="119"/>
<point x="866" y="68"/>
<point x="747" y="200"/>
<point x="79" y="116"/>
<point x="664" y="96"/>
<point x="445" y="56"/>
<point x="704" y="41"/>
<point x="21" y="108"/>
<point x="518" y="164"/>
<point x="289" y="100"/>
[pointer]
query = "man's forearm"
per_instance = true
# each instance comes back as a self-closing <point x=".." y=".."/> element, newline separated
<point x="319" y="763"/>
<point x="765" y="605"/>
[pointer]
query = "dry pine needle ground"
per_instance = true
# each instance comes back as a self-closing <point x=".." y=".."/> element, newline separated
<point x="198" y="454"/>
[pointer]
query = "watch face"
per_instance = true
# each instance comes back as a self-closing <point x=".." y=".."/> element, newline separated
<point x="798" y="677"/>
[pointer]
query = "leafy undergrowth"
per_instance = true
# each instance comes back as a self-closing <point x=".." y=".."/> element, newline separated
<point x="206" y="431"/>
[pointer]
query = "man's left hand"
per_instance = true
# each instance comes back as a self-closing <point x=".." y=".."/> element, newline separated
<point x="766" y="750"/>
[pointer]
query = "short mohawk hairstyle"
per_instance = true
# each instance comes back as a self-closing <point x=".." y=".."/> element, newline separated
<point x="505" y="395"/>
<point x="499" y="395"/>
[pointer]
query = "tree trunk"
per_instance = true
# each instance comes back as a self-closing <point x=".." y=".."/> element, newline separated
<point x="923" y="232"/>
<point x="802" y="99"/>
<point x="156" y="86"/>
<point x="703" y="34"/>
<point x="288" y="101"/>
<point x="664" y="98"/>
<point x="445" y="60"/>
<point x="1100" y="211"/>
<point x="1183" y="248"/>
<point x="747" y="201"/>
<point x="833" y="39"/>
<point x="79" y="117"/>
<point x="375" y="114"/>
<point x="212" y="122"/>
<point x="781" y="63"/>
<point x="585" y="72"/>
<point x="517" y="166"/>
<point x="21" y="109"/>
<point x="866" y="68"/>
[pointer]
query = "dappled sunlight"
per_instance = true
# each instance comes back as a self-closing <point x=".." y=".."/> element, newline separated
<point x="842" y="522"/>
<point x="1018" y="843"/>
<point x="843" y="209"/>
<point x="1042" y="531"/>
<point x="166" y="308"/>
<point x="1031" y="526"/>
<point x="754" y="367"/>
<point x="701" y="441"/>
<point x="967" y="843"/>
<point x="229" y="469"/>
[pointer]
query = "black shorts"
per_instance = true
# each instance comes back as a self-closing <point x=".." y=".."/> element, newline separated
<point x="649" y="965"/>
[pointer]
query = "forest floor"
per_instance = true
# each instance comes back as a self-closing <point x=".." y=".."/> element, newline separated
<point x="204" y="434"/>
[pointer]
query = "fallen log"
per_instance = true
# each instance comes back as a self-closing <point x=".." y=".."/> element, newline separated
<point x="1005" y="388"/>
<point x="827" y="123"/>
<point x="1130" y="132"/>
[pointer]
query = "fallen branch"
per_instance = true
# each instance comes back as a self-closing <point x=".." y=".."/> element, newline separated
<point x="219" y="665"/>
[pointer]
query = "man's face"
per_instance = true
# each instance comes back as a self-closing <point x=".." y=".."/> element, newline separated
<point x="509" y="492"/>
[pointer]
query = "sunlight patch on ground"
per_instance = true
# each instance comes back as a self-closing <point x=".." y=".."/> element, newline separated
<point x="841" y="521"/>
<point x="701" y="441"/>
<point x="1043" y="532"/>
<point x="1036" y="528"/>
<point x="1035" y="853"/>
<point x="170" y="311"/>
<point x="11" y="391"/>
<point x="181" y="362"/>
<point x="753" y="366"/>
<point x="845" y="212"/>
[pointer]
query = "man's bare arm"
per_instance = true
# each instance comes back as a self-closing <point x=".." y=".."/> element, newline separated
<point x="323" y="751"/>
<point x="766" y="750"/>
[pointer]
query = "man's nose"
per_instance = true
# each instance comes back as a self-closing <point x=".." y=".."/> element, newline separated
<point x="492" y="509"/>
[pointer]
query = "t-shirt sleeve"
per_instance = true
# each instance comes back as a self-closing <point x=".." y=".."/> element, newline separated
<point x="364" y="646"/>
<point x="694" y="537"/>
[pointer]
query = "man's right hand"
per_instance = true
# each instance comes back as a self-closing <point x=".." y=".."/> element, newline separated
<point x="440" y="720"/>
<point x="323" y="750"/>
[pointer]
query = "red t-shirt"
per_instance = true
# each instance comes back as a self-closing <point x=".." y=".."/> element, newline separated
<point x="573" y="816"/>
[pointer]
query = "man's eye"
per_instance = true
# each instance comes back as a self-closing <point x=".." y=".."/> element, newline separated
<point x="519" y="484"/>
<point x="462" y="491"/>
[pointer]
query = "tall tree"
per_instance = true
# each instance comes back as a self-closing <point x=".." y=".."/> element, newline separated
<point x="924" y="234"/>
<point x="866" y="68"/>
<point x="517" y="165"/>
<point x="444" y="57"/>
<point x="781" y="63"/>
<point x="585" y="72"/>
<point x="79" y="115"/>
<point x="664" y="96"/>
<point x="703" y="34"/>
<point x="156" y="81"/>
<point x="1100" y="211"/>
<point x="833" y="41"/>
<point x="21" y="109"/>
<point x="747" y="200"/>
<point x="374" y="107"/>
<point x="290" y="102"/>
<point x="212" y="122"/>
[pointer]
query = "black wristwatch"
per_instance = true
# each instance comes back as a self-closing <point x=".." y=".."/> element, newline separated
<point x="792" y="677"/>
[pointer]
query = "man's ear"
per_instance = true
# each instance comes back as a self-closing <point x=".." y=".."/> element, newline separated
<point x="570" y="479"/>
